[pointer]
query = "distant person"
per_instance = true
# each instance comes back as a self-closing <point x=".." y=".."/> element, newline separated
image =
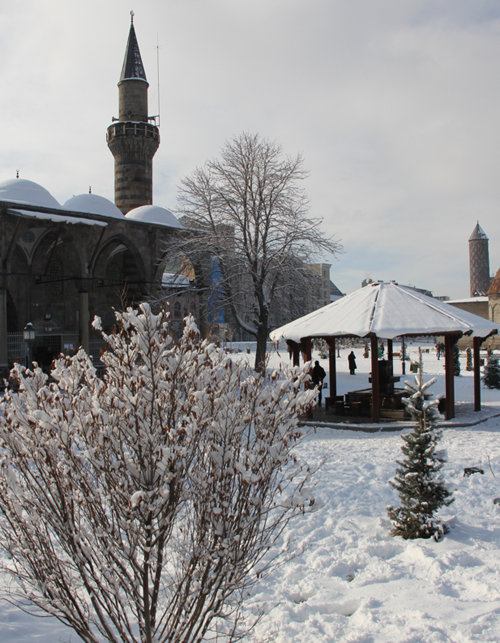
<point x="351" y="358"/>
<point x="318" y="375"/>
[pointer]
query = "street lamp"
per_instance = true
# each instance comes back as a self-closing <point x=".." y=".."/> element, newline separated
<point x="29" y="335"/>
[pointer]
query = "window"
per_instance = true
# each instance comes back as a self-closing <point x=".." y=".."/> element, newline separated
<point x="55" y="277"/>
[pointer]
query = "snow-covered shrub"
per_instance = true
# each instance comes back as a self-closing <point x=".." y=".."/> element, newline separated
<point x="491" y="374"/>
<point x="418" y="481"/>
<point x="143" y="506"/>
<point x="322" y="347"/>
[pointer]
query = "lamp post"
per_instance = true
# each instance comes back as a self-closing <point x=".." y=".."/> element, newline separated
<point x="29" y="335"/>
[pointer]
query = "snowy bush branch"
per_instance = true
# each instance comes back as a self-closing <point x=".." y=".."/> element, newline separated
<point x="139" y="507"/>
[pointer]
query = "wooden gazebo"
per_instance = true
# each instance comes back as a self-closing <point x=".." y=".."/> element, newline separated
<point x="385" y="311"/>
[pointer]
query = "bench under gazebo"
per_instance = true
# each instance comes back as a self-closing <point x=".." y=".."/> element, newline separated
<point x="387" y="311"/>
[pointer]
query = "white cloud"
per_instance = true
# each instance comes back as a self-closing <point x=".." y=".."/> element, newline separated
<point x="393" y="104"/>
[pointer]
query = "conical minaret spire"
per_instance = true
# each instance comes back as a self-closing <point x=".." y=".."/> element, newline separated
<point x="132" y="63"/>
<point x="132" y="139"/>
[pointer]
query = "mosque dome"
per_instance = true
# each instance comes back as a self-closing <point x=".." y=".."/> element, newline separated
<point x="93" y="204"/>
<point x="154" y="214"/>
<point x="24" y="191"/>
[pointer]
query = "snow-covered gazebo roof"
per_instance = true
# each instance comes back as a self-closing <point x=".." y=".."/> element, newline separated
<point x="385" y="310"/>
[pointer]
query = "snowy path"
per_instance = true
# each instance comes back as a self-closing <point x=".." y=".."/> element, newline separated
<point x="354" y="583"/>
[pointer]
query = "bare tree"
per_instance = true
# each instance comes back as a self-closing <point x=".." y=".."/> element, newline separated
<point x="143" y="506"/>
<point x="249" y="214"/>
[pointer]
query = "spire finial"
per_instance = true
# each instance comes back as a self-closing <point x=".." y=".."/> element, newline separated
<point x="132" y="14"/>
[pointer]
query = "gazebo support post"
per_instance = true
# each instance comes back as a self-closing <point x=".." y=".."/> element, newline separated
<point x="477" y="373"/>
<point x="449" y="343"/>
<point x="332" y="365"/>
<point x="295" y="352"/>
<point x="307" y="349"/>
<point x="375" y="382"/>
<point x="389" y="354"/>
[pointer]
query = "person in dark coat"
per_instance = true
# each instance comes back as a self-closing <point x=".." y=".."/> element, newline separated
<point x="318" y="375"/>
<point x="351" y="358"/>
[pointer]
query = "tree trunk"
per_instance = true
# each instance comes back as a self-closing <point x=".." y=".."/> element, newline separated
<point x="260" y="353"/>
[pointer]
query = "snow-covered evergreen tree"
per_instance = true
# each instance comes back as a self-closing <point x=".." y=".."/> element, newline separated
<point x="418" y="481"/>
<point x="469" y="366"/>
<point x="491" y="374"/>
<point x="144" y="505"/>
<point x="456" y="360"/>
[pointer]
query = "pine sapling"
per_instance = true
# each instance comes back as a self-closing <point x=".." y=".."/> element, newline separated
<point x="456" y="360"/>
<point x="418" y="481"/>
<point x="469" y="366"/>
<point x="491" y="375"/>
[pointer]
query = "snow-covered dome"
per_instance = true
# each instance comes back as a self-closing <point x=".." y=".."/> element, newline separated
<point x="24" y="191"/>
<point x="154" y="214"/>
<point x="93" y="204"/>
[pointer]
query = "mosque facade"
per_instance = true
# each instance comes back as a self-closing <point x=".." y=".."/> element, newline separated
<point x="63" y="264"/>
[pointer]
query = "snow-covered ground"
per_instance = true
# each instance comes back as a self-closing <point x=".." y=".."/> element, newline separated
<point x="352" y="582"/>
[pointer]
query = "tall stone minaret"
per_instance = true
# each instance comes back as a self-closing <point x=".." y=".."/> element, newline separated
<point x="132" y="139"/>
<point x="479" y="262"/>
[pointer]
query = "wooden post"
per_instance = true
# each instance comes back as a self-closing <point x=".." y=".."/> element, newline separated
<point x="449" y="342"/>
<point x="332" y="366"/>
<point x="307" y="349"/>
<point x="477" y="373"/>
<point x="390" y="355"/>
<point x="403" y="355"/>
<point x="375" y="382"/>
<point x="296" y="353"/>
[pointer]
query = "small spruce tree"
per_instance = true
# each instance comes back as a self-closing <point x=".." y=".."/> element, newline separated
<point x="491" y="375"/>
<point x="418" y="481"/>
<point x="456" y="360"/>
<point x="469" y="366"/>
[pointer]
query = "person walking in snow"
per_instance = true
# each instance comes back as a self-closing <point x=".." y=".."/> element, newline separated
<point x="351" y="358"/>
<point x="318" y="375"/>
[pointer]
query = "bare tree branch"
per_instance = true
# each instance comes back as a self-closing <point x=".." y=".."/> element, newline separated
<point x="248" y="213"/>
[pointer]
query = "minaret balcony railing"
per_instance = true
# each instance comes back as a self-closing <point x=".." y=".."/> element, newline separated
<point x="131" y="128"/>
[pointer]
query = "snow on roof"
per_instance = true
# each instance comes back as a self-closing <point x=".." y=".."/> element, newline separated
<point x="154" y="214"/>
<point x="468" y="300"/>
<point x="93" y="204"/>
<point x="24" y="191"/>
<point x="57" y="217"/>
<point x="388" y="311"/>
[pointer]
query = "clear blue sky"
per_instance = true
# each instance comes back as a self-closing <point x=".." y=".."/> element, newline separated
<point x="394" y="105"/>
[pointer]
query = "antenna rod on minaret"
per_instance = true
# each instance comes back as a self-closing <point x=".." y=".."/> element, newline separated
<point x="158" y="75"/>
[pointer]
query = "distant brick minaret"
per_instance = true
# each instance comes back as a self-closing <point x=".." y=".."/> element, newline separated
<point x="132" y="139"/>
<point x="479" y="262"/>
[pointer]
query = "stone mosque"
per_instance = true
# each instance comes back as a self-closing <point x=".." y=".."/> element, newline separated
<point x="63" y="264"/>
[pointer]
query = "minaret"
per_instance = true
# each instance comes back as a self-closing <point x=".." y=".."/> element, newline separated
<point x="479" y="262"/>
<point x="132" y="139"/>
